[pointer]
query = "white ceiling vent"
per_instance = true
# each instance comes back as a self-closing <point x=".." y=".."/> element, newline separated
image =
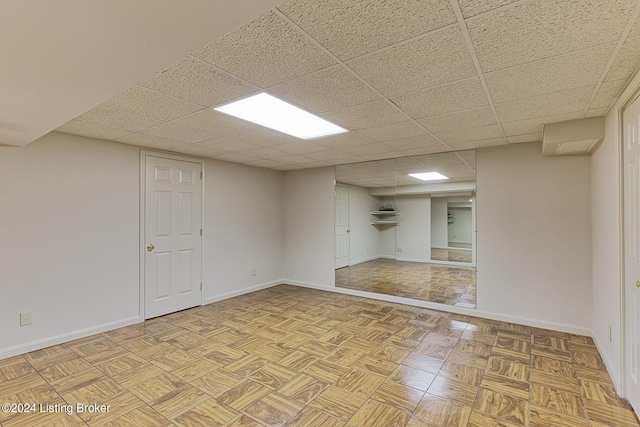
<point x="572" y="138"/>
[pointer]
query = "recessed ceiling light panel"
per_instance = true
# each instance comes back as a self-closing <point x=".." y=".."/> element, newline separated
<point x="269" y="111"/>
<point x="428" y="176"/>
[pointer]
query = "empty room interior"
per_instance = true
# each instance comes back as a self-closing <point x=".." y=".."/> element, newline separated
<point x="439" y="226"/>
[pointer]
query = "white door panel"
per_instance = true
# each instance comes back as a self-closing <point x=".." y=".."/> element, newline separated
<point x="173" y="220"/>
<point x="341" y="224"/>
<point x="631" y="129"/>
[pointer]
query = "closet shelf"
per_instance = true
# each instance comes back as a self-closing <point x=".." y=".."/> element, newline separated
<point x="384" y="223"/>
<point x="385" y="213"/>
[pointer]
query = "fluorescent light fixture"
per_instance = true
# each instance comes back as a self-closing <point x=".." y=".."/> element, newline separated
<point x="428" y="176"/>
<point x="269" y="111"/>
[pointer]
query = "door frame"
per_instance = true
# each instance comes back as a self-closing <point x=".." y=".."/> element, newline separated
<point x="142" y="218"/>
<point x="622" y="240"/>
<point x="337" y="184"/>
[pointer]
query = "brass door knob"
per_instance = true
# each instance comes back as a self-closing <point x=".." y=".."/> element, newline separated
<point x="150" y="247"/>
<point x="638" y="284"/>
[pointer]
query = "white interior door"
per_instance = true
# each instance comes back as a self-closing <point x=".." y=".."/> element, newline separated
<point x="173" y="242"/>
<point x="341" y="241"/>
<point x="631" y="130"/>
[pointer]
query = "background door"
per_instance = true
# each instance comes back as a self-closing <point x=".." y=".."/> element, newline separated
<point x="341" y="224"/>
<point x="173" y="242"/>
<point x="631" y="129"/>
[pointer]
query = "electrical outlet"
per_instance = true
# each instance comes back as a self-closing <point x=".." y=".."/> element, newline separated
<point x="609" y="332"/>
<point x="399" y="249"/>
<point x="253" y="271"/>
<point x="25" y="318"/>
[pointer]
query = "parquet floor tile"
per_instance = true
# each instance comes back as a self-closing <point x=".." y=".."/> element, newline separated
<point x="295" y="357"/>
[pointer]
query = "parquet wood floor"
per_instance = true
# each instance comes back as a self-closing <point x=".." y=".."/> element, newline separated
<point x="450" y="255"/>
<point x="443" y="284"/>
<point x="289" y="356"/>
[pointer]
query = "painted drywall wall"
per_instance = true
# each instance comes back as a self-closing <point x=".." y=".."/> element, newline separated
<point x="387" y="233"/>
<point x="364" y="239"/>
<point x="606" y="190"/>
<point x="534" y="236"/>
<point x="439" y="236"/>
<point x="413" y="235"/>
<point x="308" y="257"/>
<point x="460" y="229"/>
<point x="243" y="229"/>
<point x="69" y="239"/>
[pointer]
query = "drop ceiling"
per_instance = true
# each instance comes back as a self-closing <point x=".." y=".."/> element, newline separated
<point x="406" y="78"/>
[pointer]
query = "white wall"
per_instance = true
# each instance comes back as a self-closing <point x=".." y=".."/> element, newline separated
<point x="308" y="257"/>
<point x="387" y="233"/>
<point x="460" y="229"/>
<point x="69" y="239"/>
<point x="606" y="258"/>
<point x="364" y="239"/>
<point x="534" y="236"/>
<point x="413" y="235"/>
<point x="439" y="237"/>
<point x="243" y="228"/>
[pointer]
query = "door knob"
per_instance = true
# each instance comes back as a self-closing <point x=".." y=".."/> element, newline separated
<point x="150" y="247"/>
<point x="638" y="284"/>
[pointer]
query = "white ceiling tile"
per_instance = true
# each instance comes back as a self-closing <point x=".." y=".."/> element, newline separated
<point x="471" y="134"/>
<point x="264" y="153"/>
<point x="413" y="142"/>
<point x="441" y="148"/>
<point x="475" y="7"/>
<point x="197" y="150"/>
<point x="264" y="137"/>
<point x="597" y="112"/>
<point x="333" y="156"/>
<point x="235" y="158"/>
<point x="437" y="58"/>
<point x="330" y="89"/>
<point x="635" y="29"/>
<point x="449" y="98"/>
<point x="284" y="167"/>
<point x="351" y="28"/>
<point x="195" y="81"/>
<point x="576" y="69"/>
<point x="367" y="149"/>
<point x="567" y="101"/>
<point x="178" y="133"/>
<point x="478" y="144"/>
<point x="366" y="115"/>
<point x="216" y="123"/>
<point x="228" y="144"/>
<point x="528" y="126"/>
<point x="296" y="160"/>
<point x="90" y="130"/>
<point x="265" y="52"/>
<point x="530" y="137"/>
<point x="299" y="148"/>
<point x="149" y="103"/>
<point x="539" y="29"/>
<point x="627" y="62"/>
<point x="149" y="141"/>
<point x="393" y="131"/>
<point x="263" y="163"/>
<point x="348" y="139"/>
<point x="608" y="93"/>
<point x="475" y="117"/>
<point x="117" y="119"/>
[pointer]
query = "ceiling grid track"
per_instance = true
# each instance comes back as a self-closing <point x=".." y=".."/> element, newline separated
<point x="614" y="54"/>
<point x="356" y="75"/>
<point x="476" y="63"/>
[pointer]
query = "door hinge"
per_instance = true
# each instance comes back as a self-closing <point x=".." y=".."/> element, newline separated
<point x="200" y="175"/>
<point x="200" y="287"/>
<point x="201" y="231"/>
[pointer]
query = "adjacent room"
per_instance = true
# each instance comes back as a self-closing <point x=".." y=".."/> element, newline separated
<point x="320" y="213"/>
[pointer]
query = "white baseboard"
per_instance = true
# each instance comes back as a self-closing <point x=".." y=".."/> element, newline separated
<point x="615" y="375"/>
<point x="360" y="261"/>
<point x="66" y="337"/>
<point x="242" y="291"/>
<point x="450" y="309"/>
